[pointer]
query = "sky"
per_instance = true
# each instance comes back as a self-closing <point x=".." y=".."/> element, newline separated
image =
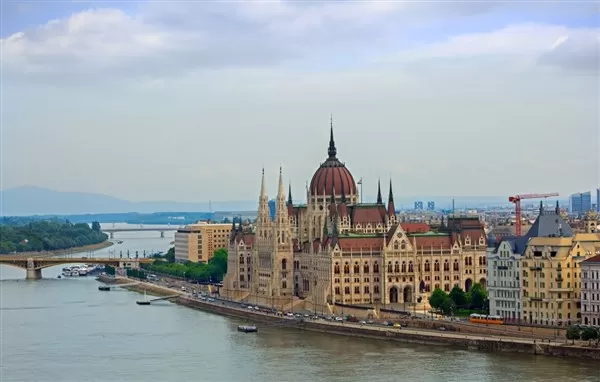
<point x="189" y="100"/>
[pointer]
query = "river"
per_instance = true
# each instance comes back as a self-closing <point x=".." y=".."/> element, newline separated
<point x="66" y="330"/>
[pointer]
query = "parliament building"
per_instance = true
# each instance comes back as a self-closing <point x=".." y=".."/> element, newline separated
<point x="336" y="250"/>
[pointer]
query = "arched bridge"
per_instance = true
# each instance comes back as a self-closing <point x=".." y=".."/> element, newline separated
<point x="34" y="266"/>
<point x="162" y="230"/>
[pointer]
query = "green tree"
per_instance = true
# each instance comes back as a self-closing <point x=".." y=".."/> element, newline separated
<point x="588" y="334"/>
<point x="573" y="333"/>
<point x="170" y="256"/>
<point x="96" y="227"/>
<point x="437" y="298"/>
<point x="447" y="306"/>
<point x="458" y="296"/>
<point x="478" y="296"/>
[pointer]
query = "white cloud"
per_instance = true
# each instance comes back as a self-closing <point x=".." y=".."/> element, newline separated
<point x="167" y="39"/>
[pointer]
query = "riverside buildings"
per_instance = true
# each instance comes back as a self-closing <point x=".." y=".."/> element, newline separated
<point x="590" y="291"/>
<point x="198" y="242"/>
<point x="336" y="250"/>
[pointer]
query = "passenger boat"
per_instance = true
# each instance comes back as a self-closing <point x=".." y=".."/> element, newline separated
<point x="247" y="328"/>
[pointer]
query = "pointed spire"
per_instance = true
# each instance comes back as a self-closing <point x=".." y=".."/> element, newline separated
<point x="281" y="189"/>
<point x="332" y="151"/>
<point x="290" y="195"/>
<point x="263" y="186"/>
<point x="557" y="208"/>
<point x="541" y="208"/>
<point x="379" y="199"/>
<point x="391" y="206"/>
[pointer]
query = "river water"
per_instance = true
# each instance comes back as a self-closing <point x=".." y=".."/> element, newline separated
<point x="66" y="330"/>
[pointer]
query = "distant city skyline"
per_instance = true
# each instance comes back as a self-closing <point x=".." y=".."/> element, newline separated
<point x="150" y="101"/>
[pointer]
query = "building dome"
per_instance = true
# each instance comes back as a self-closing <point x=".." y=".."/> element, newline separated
<point x="332" y="176"/>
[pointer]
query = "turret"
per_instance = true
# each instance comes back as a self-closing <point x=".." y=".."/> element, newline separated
<point x="263" y="219"/>
<point x="379" y="199"/>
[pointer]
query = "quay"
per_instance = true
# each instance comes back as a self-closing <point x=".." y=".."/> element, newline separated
<point x="469" y="341"/>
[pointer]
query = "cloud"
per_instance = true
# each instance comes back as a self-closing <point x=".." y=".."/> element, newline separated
<point x="173" y="38"/>
<point x="559" y="46"/>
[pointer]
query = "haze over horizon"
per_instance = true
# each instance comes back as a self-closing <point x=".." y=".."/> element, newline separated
<point x="186" y="101"/>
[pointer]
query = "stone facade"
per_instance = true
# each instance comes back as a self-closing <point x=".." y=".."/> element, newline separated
<point x="334" y="249"/>
<point x="504" y="286"/>
<point x="590" y="291"/>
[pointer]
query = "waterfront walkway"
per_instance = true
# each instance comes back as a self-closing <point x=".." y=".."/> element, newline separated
<point x="374" y="327"/>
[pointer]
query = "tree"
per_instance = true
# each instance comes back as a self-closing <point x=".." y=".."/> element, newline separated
<point x="447" y="306"/>
<point x="170" y="256"/>
<point x="96" y="227"/>
<point x="478" y="296"/>
<point x="573" y="333"/>
<point x="437" y="298"/>
<point x="458" y="296"/>
<point x="588" y="334"/>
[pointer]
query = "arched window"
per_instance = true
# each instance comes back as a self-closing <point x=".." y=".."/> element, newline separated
<point x="390" y="269"/>
<point x="427" y="266"/>
<point x="283" y="264"/>
<point x="403" y="245"/>
<point x="366" y="267"/>
<point x="336" y="268"/>
<point x="347" y="290"/>
<point x="356" y="267"/>
<point x="403" y="266"/>
<point x="446" y="265"/>
<point x="376" y="267"/>
<point x="396" y="245"/>
<point x="410" y="267"/>
<point x="346" y="267"/>
<point x="436" y="266"/>
<point x="242" y="259"/>
<point x="456" y="264"/>
<point x="397" y="267"/>
<point x="466" y="261"/>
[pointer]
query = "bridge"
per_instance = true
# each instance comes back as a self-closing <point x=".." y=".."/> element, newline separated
<point x="162" y="230"/>
<point x="34" y="266"/>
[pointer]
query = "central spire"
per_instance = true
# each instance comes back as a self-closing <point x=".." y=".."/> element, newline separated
<point x="332" y="151"/>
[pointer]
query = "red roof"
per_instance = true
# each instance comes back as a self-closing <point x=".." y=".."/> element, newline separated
<point x="595" y="259"/>
<point x="433" y="241"/>
<point x="360" y="243"/>
<point x="414" y="227"/>
<point x="363" y="214"/>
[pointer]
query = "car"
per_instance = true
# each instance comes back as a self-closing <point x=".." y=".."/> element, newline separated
<point x="370" y="322"/>
<point x="362" y="322"/>
<point x="339" y="319"/>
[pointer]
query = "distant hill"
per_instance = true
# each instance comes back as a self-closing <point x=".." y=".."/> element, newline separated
<point x="31" y="200"/>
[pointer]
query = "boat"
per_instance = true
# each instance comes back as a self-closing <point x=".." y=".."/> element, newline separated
<point x="247" y="328"/>
<point x="83" y="271"/>
<point x="58" y="277"/>
<point x="145" y="301"/>
<point x="104" y="288"/>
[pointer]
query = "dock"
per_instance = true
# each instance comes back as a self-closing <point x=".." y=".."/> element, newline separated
<point x="148" y="302"/>
<point x="106" y="288"/>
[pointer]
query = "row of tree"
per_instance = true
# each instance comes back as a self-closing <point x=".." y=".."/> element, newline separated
<point x="48" y="235"/>
<point x="213" y="271"/>
<point x="446" y="303"/>
<point x="585" y="333"/>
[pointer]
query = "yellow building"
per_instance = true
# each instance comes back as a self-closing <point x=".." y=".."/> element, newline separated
<point x="552" y="276"/>
<point x="198" y="242"/>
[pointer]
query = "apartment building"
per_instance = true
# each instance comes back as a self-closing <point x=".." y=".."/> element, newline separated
<point x="198" y="242"/>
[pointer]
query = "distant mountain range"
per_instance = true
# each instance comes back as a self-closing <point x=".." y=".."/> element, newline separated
<point x="32" y="200"/>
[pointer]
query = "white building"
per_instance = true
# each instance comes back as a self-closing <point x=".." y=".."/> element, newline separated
<point x="590" y="291"/>
<point x="503" y="271"/>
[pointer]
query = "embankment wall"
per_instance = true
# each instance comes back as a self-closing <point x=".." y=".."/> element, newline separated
<point x="461" y="340"/>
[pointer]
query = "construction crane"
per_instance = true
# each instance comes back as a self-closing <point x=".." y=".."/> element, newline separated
<point x="517" y="201"/>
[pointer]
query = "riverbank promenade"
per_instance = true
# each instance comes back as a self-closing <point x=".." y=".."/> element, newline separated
<point x="491" y="343"/>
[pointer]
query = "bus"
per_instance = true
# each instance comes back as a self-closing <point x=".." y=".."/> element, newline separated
<point x="483" y="319"/>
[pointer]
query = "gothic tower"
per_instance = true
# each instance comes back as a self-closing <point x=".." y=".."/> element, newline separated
<point x="283" y="260"/>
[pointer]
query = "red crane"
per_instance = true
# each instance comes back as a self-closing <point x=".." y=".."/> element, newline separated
<point x="517" y="201"/>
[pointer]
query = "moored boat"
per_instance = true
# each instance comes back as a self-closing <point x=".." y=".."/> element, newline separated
<point x="247" y="328"/>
